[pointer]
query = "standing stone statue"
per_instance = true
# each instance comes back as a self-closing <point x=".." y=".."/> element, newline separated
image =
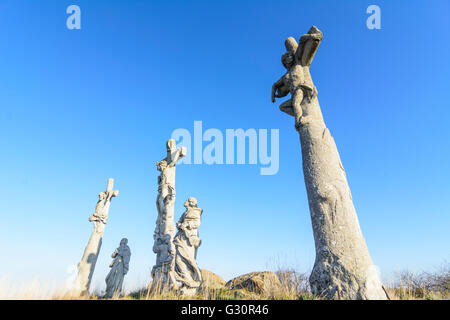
<point x="186" y="242"/>
<point x="162" y="272"/>
<point x="99" y="217"/>
<point x="343" y="268"/>
<point x="119" y="268"/>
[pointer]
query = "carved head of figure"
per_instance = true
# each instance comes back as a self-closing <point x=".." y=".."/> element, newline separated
<point x="288" y="59"/>
<point x="161" y="165"/>
<point x="171" y="146"/>
<point x="123" y="242"/>
<point x="290" y="44"/>
<point x="102" y="196"/>
<point x="190" y="203"/>
<point x="166" y="239"/>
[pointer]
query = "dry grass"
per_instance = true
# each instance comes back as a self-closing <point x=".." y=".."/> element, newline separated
<point x="421" y="286"/>
<point x="292" y="285"/>
<point x="295" y="286"/>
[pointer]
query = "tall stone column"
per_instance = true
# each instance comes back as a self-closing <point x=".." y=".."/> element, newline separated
<point x="343" y="268"/>
<point x="99" y="217"/>
<point x="163" y="270"/>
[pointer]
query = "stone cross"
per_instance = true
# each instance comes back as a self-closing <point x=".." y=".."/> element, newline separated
<point x="99" y="217"/>
<point x="343" y="268"/>
<point x="162" y="272"/>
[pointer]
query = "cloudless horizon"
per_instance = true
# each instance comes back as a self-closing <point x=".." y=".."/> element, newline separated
<point x="80" y="106"/>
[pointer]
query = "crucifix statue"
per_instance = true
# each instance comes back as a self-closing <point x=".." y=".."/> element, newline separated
<point x="343" y="268"/>
<point x="297" y="80"/>
<point x="99" y="217"/>
<point x="162" y="272"/>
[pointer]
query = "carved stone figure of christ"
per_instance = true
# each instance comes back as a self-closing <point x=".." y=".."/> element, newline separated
<point x="162" y="271"/>
<point x="297" y="80"/>
<point x="87" y="264"/>
<point x="343" y="268"/>
<point x="102" y="206"/>
<point x="166" y="186"/>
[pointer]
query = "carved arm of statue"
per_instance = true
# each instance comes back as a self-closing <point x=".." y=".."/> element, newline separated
<point x="310" y="36"/>
<point x="112" y="194"/>
<point x="114" y="254"/>
<point x="180" y="153"/>
<point x="276" y="90"/>
<point x="308" y="45"/>
<point x="192" y="224"/>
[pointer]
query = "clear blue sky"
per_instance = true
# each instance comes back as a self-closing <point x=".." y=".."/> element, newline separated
<point x="80" y="106"/>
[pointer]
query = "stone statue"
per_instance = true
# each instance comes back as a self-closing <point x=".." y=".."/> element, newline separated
<point x="102" y="207"/>
<point x="163" y="246"/>
<point x="87" y="264"/>
<point x="119" y="268"/>
<point x="186" y="244"/>
<point x="343" y="268"/>
<point x="297" y="80"/>
<point x="162" y="272"/>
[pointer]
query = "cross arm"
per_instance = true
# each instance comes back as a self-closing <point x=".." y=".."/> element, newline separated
<point x="109" y="189"/>
<point x="308" y="45"/>
<point x="179" y="154"/>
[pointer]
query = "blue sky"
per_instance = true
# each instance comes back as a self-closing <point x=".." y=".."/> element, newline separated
<point x="80" y="106"/>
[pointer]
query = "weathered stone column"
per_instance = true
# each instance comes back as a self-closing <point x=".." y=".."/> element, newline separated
<point x="163" y="271"/>
<point x="343" y="268"/>
<point x="99" y="217"/>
